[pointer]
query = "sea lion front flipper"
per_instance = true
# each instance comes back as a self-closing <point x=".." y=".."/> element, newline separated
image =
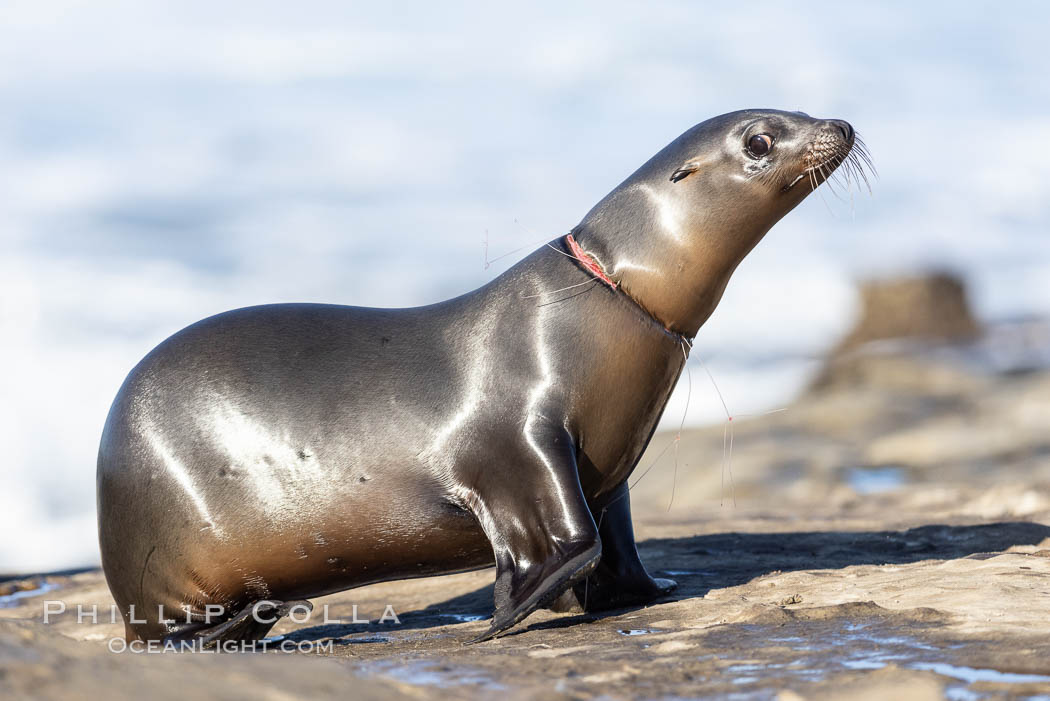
<point x="620" y="579"/>
<point x="542" y="533"/>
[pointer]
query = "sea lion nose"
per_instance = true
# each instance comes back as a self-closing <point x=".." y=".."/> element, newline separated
<point x="844" y="127"/>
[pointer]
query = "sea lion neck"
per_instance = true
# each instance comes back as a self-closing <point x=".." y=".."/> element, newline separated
<point x="664" y="258"/>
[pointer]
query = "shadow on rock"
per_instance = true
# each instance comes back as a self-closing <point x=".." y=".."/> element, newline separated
<point x="717" y="561"/>
<point x="473" y="606"/>
<point x="705" y="562"/>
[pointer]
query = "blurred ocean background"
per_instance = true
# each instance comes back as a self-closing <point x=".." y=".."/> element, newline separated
<point x="161" y="162"/>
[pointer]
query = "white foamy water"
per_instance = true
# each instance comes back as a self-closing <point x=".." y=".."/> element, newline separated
<point x="160" y="162"/>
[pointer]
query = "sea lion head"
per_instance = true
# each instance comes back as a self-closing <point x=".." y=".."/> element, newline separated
<point x="673" y="232"/>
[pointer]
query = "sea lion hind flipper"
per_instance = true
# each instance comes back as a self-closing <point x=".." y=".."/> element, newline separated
<point x="620" y="579"/>
<point x="252" y="622"/>
<point x="543" y="535"/>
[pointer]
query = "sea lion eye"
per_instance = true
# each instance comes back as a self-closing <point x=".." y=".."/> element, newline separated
<point x="759" y="145"/>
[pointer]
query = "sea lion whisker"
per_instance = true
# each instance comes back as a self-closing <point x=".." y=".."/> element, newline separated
<point x="849" y="166"/>
<point x="820" y="193"/>
<point x="871" y="164"/>
<point x="860" y="151"/>
<point x="856" y="173"/>
<point x="857" y="160"/>
<point x="846" y="178"/>
<point x="862" y="170"/>
<point x="815" y="169"/>
<point x="844" y="167"/>
<point x="829" y="170"/>
<point x="850" y="169"/>
<point x="861" y="147"/>
<point x="822" y="174"/>
<point x="837" y="186"/>
<point x="863" y="155"/>
<point x="852" y="203"/>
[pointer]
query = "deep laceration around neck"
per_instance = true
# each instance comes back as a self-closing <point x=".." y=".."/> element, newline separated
<point x="598" y="256"/>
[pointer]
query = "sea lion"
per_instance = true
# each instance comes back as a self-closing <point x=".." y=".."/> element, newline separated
<point x="282" y="452"/>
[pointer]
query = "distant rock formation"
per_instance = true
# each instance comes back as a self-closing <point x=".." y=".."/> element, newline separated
<point x="932" y="306"/>
<point x="896" y="314"/>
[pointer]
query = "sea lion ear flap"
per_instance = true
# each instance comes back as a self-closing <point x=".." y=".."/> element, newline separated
<point x="686" y="169"/>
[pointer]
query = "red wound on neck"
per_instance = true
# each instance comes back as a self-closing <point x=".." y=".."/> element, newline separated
<point x="590" y="263"/>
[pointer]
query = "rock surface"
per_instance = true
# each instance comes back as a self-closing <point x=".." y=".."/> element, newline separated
<point x="887" y="536"/>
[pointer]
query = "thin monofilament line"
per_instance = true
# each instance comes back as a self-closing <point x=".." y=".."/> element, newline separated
<point x="541" y="239"/>
<point x="663" y="452"/>
<point x="651" y="466"/>
<point x="490" y="261"/>
<point x="760" y="413"/>
<point x="563" y="299"/>
<point x="715" y="385"/>
<point x="728" y="437"/>
<point x="681" y="425"/>
<point x="567" y="255"/>
<point x="560" y="289"/>
<point x="729" y="463"/>
<point x="727" y="427"/>
<point x="556" y="250"/>
<point x="728" y="430"/>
